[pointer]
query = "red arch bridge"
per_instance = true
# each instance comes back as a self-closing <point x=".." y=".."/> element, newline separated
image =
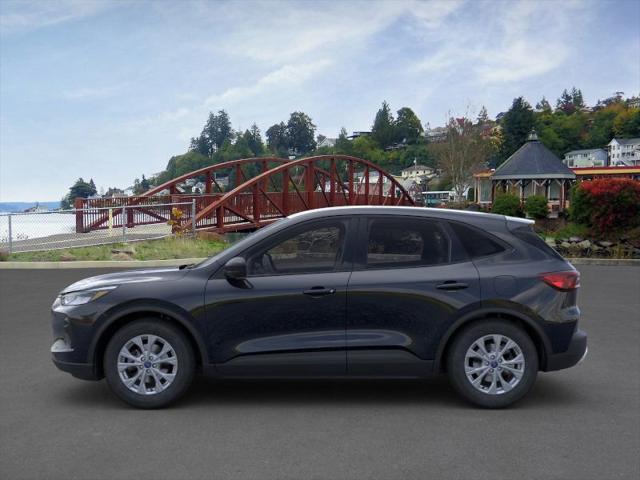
<point x="257" y="191"/>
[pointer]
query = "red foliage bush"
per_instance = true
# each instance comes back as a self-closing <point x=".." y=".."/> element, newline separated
<point x="607" y="204"/>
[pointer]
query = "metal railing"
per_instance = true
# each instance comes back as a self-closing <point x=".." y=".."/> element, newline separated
<point x="59" y="229"/>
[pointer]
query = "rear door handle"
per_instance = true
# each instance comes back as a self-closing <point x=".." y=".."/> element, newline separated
<point x="452" y="285"/>
<point x="319" y="291"/>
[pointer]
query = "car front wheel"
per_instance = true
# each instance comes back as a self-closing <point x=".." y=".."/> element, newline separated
<point x="492" y="363"/>
<point x="149" y="363"/>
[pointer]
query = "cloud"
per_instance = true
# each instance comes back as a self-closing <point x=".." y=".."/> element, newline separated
<point x="526" y="40"/>
<point x="285" y="77"/>
<point x="21" y="16"/>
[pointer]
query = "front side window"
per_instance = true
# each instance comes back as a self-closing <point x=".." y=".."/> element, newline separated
<point x="406" y="242"/>
<point x="314" y="250"/>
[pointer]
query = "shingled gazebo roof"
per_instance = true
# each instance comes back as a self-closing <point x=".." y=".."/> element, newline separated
<point x="532" y="160"/>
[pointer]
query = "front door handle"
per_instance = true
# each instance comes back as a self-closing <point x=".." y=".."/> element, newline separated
<point x="319" y="291"/>
<point x="452" y="285"/>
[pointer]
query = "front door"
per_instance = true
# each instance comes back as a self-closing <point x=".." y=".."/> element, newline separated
<point x="290" y="317"/>
<point x="410" y="282"/>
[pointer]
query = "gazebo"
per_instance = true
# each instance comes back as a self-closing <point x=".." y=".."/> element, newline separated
<point x="532" y="170"/>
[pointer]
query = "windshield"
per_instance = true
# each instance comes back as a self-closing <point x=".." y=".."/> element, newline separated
<point x="242" y="244"/>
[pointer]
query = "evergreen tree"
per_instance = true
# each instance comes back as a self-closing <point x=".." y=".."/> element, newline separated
<point x="343" y="144"/>
<point x="543" y="106"/>
<point x="576" y="99"/>
<point x="565" y="103"/>
<point x="517" y="123"/>
<point x="253" y="139"/>
<point x="483" y="116"/>
<point x="216" y="131"/>
<point x="382" y="130"/>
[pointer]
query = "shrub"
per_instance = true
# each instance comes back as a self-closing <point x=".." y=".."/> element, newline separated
<point x="607" y="204"/>
<point x="507" y="204"/>
<point x="536" y="206"/>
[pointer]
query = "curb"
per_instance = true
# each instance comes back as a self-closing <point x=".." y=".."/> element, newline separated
<point x="174" y="262"/>
<point x="612" y="262"/>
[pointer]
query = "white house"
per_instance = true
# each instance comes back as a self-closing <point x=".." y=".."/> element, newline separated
<point x="327" y="142"/>
<point x="624" y="152"/>
<point x="594" y="157"/>
<point x="416" y="172"/>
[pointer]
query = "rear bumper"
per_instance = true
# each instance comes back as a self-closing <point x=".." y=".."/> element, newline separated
<point x="575" y="353"/>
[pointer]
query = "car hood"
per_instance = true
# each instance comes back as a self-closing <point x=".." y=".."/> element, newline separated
<point x="133" y="276"/>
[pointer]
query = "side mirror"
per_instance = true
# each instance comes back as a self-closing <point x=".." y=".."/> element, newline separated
<point x="236" y="269"/>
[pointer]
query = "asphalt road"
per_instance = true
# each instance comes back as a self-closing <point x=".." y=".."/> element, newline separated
<point x="581" y="423"/>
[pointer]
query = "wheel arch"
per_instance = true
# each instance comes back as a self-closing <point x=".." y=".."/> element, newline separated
<point x="529" y="325"/>
<point x="123" y="315"/>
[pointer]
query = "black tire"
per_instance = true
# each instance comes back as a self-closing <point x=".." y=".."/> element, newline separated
<point x="456" y="363"/>
<point x="183" y="351"/>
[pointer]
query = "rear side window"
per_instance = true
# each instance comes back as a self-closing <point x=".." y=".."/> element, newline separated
<point x="475" y="241"/>
<point x="526" y="234"/>
<point x="406" y="242"/>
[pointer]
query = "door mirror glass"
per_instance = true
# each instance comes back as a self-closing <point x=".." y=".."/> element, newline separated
<point x="236" y="269"/>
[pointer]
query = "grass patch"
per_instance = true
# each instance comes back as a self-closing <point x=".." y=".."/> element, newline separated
<point x="572" y="230"/>
<point x="162" y="249"/>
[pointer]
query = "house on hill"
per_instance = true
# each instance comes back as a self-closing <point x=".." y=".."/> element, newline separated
<point x="592" y="157"/>
<point x="532" y="170"/>
<point x="624" y="152"/>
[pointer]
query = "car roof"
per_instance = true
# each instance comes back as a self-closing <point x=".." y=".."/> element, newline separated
<point x="444" y="213"/>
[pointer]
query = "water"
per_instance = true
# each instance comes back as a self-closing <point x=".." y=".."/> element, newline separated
<point x="28" y="226"/>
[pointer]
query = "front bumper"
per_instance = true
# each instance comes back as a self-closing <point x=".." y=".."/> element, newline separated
<point x="62" y="356"/>
<point x="575" y="353"/>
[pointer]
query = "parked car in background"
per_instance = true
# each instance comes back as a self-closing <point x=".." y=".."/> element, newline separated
<point x="381" y="292"/>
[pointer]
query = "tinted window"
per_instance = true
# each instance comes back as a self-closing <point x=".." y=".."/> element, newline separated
<point x="317" y="249"/>
<point x="475" y="242"/>
<point x="528" y="235"/>
<point x="406" y="242"/>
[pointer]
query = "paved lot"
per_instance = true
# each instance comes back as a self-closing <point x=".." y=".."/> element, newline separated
<point x="582" y="423"/>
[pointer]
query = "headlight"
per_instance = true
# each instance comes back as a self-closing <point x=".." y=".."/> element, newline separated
<point x="84" y="296"/>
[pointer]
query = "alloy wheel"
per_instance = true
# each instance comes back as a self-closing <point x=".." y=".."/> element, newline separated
<point x="494" y="364"/>
<point x="147" y="364"/>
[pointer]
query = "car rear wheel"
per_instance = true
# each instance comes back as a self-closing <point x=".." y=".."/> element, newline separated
<point x="492" y="363"/>
<point x="149" y="363"/>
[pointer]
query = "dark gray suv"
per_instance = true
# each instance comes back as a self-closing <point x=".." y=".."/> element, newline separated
<point x="348" y="291"/>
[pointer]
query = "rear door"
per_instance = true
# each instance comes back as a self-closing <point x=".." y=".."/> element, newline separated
<point x="410" y="282"/>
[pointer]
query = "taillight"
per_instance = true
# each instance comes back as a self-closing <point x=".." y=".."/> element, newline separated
<point x="564" y="281"/>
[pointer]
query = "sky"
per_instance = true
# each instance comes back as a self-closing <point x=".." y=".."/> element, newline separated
<point x="110" y="90"/>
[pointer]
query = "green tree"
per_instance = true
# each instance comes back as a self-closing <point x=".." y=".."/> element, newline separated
<point x="80" y="189"/>
<point x="343" y="144"/>
<point x="367" y="148"/>
<point x="565" y="103"/>
<point x="277" y="139"/>
<point x="216" y="131"/>
<point x="577" y="99"/>
<point x="544" y="106"/>
<point x="253" y="138"/>
<point x="483" y="116"/>
<point x="408" y="126"/>
<point x="383" y="130"/>
<point x="627" y="124"/>
<point x="517" y="123"/>
<point x="301" y="133"/>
